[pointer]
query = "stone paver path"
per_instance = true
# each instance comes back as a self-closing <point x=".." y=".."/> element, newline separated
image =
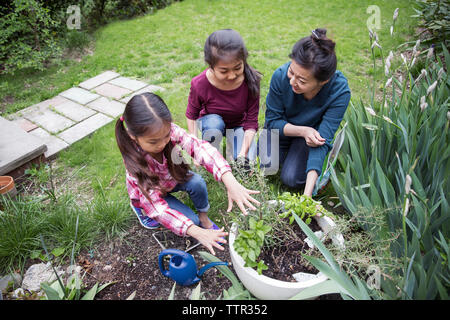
<point x="79" y="111"/>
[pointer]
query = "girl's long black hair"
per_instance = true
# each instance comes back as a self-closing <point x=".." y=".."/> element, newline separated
<point x="316" y="53"/>
<point x="222" y="44"/>
<point x="144" y="112"/>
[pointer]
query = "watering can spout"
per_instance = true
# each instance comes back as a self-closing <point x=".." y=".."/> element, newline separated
<point x="210" y="265"/>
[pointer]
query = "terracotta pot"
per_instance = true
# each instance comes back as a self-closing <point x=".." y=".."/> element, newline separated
<point x="7" y="186"/>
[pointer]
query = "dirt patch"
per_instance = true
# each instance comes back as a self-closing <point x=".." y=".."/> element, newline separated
<point x="285" y="258"/>
<point x="133" y="263"/>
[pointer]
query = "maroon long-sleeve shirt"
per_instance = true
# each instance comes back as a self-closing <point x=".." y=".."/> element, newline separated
<point x="237" y="107"/>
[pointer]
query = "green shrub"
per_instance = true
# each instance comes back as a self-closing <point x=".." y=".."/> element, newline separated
<point x="27" y="37"/>
<point x="435" y="20"/>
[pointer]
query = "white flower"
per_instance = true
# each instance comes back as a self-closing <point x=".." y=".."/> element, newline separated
<point x="440" y="73"/>
<point x="408" y="184"/>
<point x="412" y="63"/>
<point x="388" y="82"/>
<point x="448" y="115"/>
<point x="371" y="111"/>
<point x="395" y="16"/>
<point x="387" y="65"/>
<point x="430" y="53"/>
<point x="431" y="87"/>
<point x="387" y="119"/>
<point x="375" y="43"/>
<point x="405" y="212"/>
<point x="422" y="74"/>
<point x="392" y="30"/>
<point x="404" y="59"/>
<point x="423" y="103"/>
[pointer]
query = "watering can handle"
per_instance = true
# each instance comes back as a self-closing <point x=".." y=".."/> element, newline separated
<point x="210" y="265"/>
<point x="164" y="253"/>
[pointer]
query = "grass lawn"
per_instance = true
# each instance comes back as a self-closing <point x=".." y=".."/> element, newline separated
<point x="166" y="49"/>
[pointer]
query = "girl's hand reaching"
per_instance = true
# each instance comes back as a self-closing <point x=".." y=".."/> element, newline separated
<point x="207" y="237"/>
<point x="238" y="193"/>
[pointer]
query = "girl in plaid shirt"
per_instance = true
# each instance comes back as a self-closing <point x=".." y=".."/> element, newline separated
<point x="151" y="146"/>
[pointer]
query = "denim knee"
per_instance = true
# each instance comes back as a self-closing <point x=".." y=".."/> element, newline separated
<point x="198" y="192"/>
<point x="212" y="125"/>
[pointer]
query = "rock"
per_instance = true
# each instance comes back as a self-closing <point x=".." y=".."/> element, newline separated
<point x="39" y="273"/>
<point x="15" y="279"/>
<point x="18" y="293"/>
<point x="319" y="235"/>
<point x="303" y="276"/>
<point x="107" y="268"/>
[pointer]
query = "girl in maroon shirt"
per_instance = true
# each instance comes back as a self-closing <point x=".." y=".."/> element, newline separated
<point x="224" y="98"/>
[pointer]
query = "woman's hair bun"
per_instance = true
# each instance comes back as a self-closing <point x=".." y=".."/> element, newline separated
<point x="319" y="37"/>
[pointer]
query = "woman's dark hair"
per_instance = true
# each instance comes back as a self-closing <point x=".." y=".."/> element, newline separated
<point x="316" y="53"/>
<point x="222" y="44"/>
<point x="145" y="112"/>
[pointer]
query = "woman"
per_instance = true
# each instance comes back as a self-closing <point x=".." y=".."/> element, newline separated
<point x="306" y="102"/>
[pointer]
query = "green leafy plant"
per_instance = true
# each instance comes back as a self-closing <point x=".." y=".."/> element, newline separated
<point x="249" y="242"/>
<point x="303" y="206"/>
<point x="338" y="282"/>
<point x="395" y="161"/>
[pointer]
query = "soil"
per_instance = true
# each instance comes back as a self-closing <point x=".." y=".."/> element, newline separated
<point x="283" y="259"/>
<point x="132" y="263"/>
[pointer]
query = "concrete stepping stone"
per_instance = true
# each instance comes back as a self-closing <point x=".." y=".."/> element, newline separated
<point x="150" y="88"/>
<point x="49" y="120"/>
<point x="74" y="111"/>
<point x="79" y="95"/>
<point x="128" y="83"/>
<point x="110" y="107"/>
<point x="98" y="80"/>
<point x="111" y="91"/>
<point x="84" y="128"/>
<point x="25" y="124"/>
<point x="17" y="147"/>
<point x="53" y="143"/>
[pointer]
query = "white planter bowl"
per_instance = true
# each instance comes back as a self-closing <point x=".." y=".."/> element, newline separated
<point x="265" y="288"/>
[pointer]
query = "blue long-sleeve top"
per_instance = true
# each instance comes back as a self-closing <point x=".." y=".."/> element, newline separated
<point x="324" y="112"/>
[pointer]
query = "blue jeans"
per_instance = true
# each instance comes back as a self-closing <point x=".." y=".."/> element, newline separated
<point x="213" y="130"/>
<point x="198" y="192"/>
<point x="293" y="157"/>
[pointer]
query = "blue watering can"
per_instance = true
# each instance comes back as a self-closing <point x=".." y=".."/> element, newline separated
<point x="182" y="267"/>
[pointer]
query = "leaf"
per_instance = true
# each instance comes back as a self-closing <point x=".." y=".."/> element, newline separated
<point x="90" y="295"/>
<point x="131" y="297"/>
<point x="196" y="293"/>
<point x="51" y="293"/>
<point x="326" y="287"/>
<point x="57" y="251"/>
<point x="172" y="292"/>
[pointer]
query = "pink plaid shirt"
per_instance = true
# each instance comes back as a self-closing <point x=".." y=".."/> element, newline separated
<point x="157" y="208"/>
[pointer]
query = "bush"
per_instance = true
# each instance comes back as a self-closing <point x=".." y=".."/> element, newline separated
<point x="27" y="37"/>
<point x="435" y="18"/>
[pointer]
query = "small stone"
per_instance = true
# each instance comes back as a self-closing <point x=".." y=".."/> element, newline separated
<point x="330" y="203"/>
<point x="18" y="293"/>
<point x="107" y="268"/>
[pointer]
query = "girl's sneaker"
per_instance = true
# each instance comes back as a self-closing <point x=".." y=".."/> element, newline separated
<point x="145" y="221"/>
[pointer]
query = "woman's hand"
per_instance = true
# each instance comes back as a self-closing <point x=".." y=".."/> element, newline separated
<point x="207" y="237"/>
<point x="238" y="193"/>
<point x="312" y="137"/>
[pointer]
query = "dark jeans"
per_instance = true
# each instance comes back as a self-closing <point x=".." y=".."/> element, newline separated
<point x="293" y="156"/>
<point x="197" y="191"/>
